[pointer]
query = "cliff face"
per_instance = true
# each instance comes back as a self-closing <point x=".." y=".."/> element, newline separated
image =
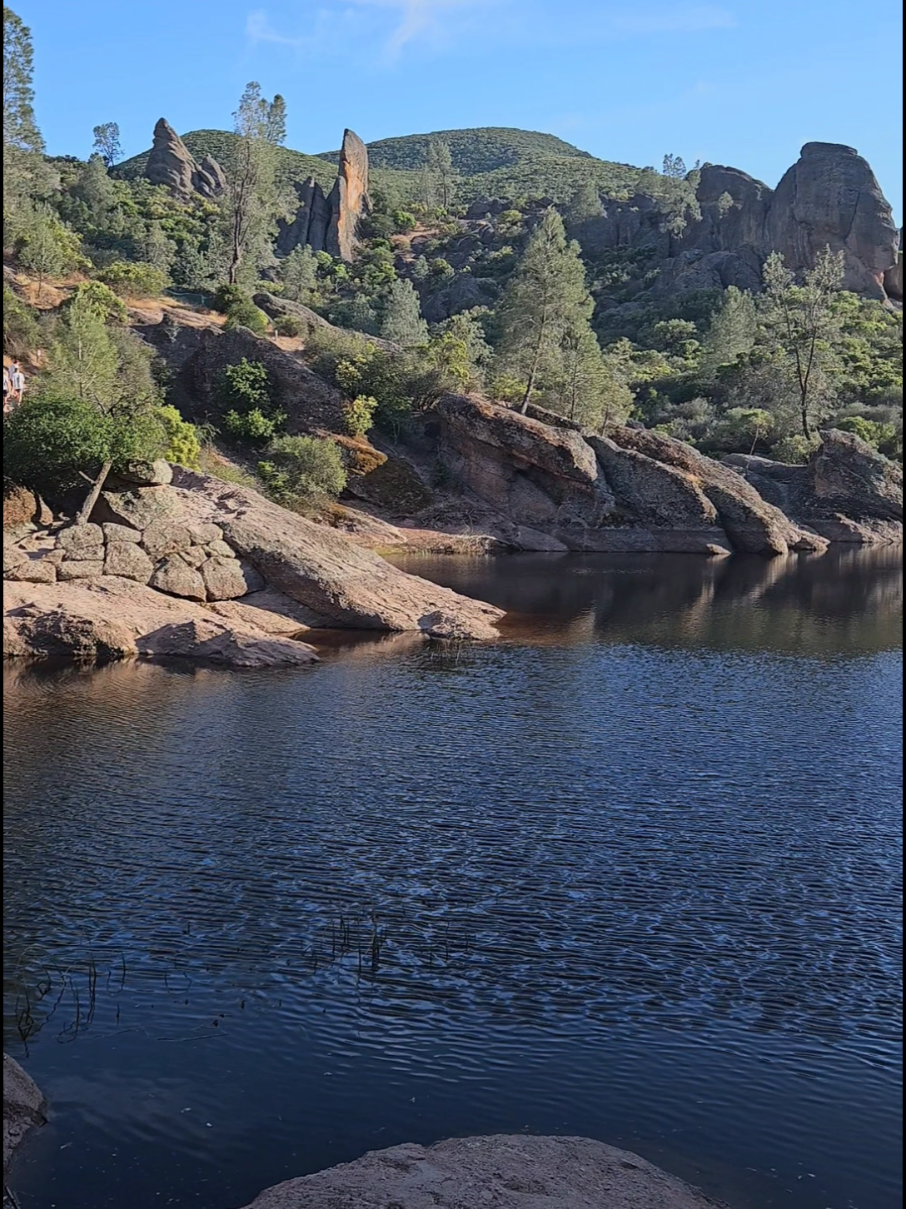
<point x="828" y="198"/>
<point x="171" y="163"/>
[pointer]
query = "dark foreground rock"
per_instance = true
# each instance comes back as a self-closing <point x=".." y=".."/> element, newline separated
<point x="500" y="1172"/>
<point x="23" y="1108"/>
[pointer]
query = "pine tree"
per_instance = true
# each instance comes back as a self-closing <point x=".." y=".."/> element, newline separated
<point x="731" y="331"/>
<point x="107" y="142"/>
<point x="441" y="172"/>
<point x="24" y="173"/>
<point x="299" y="271"/>
<point x="584" y="204"/>
<point x="545" y="298"/>
<point x="403" y="323"/>
<point x="586" y="387"/>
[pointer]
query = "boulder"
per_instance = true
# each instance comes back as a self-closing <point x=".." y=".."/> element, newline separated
<point x="893" y="277"/>
<point x="177" y="578"/>
<point x="348" y="201"/>
<point x="113" y="618"/>
<point x="80" y="568"/>
<point x="170" y="163"/>
<point x="129" y="561"/>
<point x="80" y="537"/>
<point x="229" y="578"/>
<point x="165" y="536"/>
<point x="851" y="477"/>
<point x="830" y="197"/>
<point x="503" y="1171"/>
<point x="652" y="490"/>
<point x="752" y="524"/>
<point x="32" y="570"/>
<point x="23" y="1108"/>
<point x="136" y="509"/>
<point x="141" y="474"/>
<point x="120" y="533"/>
<point x="21" y="509"/>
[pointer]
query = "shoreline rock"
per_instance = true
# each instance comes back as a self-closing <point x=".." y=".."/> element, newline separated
<point x="23" y="1109"/>
<point x="504" y="1171"/>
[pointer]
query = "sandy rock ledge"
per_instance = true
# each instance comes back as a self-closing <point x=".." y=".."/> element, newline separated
<point x="497" y="1172"/>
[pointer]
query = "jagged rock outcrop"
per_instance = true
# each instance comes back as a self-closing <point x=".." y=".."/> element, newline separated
<point x="171" y="163"/>
<point x="506" y="1172"/>
<point x="348" y="201"/>
<point x="331" y="223"/>
<point x="830" y="197"/>
<point x="848" y="492"/>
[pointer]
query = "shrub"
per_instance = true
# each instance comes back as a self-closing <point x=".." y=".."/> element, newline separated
<point x="882" y="436"/>
<point x="21" y="334"/>
<point x="253" y="427"/>
<point x="403" y="221"/>
<point x="239" y="309"/>
<point x="289" y="325"/>
<point x="101" y="300"/>
<point x="243" y="392"/>
<point x="301" y="469"/>
<point x="359" y="415"/>
<point x="134" y="279"/>
<point x="183" y="445"/>
<point x="794" y="449"/>
<point x="49" y="444"/>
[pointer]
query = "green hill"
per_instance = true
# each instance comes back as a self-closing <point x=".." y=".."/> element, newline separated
<point x="483" y="149"/>
<point x="491" y="161"/>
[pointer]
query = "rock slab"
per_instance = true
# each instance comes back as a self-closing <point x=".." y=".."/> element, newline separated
<point x="23" y="1108"/>
<point x="499" y="1172"/>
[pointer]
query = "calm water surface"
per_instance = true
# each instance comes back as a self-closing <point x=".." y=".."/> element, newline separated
<point x="632" y="873"/>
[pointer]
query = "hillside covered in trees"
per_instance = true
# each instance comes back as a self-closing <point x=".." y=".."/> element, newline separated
<point x="499" y="262"/>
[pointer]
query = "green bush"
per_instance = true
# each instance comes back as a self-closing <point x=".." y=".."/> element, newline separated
<point x="794" y="449"/>
<point x="289" y="325"/>
<point x="359" y="415"/>
<point x="101" y="300"/>
<point x="239" y="309"/>
<point x="21" y="334"/>
<point x="243" y="393"/>
<point x="49" y="444"/>
<point x="403" y="221"/>
<point x="134" y="279"/>
<point x="183" y="445"/>
<point x="302" y="469"/>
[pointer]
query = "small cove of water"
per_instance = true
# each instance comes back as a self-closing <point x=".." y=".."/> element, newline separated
<point x="632" y="873"/>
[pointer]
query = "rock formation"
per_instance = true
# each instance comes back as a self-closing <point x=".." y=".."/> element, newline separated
<point x="171" y="163"/>
<point x="633" y="491"/>
<point x="829" y="197"/>
<point x="23" y="1109"/>
<point x="893" y="277"/>
<point x="507" y="1172"/>
<point x="848" y="492"/>
<point x="331" y="224"/>
<point x="205" y="570"/>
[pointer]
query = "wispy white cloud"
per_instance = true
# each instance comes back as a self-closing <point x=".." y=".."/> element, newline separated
<point x="393" y="26"/>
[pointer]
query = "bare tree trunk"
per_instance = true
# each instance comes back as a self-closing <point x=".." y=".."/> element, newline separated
<point x="88" y="507"/>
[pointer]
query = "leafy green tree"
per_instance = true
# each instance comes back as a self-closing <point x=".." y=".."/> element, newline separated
<point x="107" y="142"/>
<point x="240" y="310"/>
<point x="302" y="469"/>
<point x="402" y="322"/>
<point x="102" y="300"/>
<point x="183" y="444"/>
<point x="359" y="415"/>
<point x="46" y="246"/>
<point x="545" y="298"/>
<point x="801" y="321"/>
<point x="244" y="393"/>
<point x="251" y="199"/>
<point x="134" y="279"/>
<point x="21" y="333"/>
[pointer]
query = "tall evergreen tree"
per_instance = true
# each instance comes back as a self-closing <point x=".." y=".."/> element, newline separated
<point x="586" y="388"/>
<point x="107" y="142"/>
<point x="731" y="331"/>
<point x="299" y="271"/>
<point x="403" y="323"/>
<point x="545" y="298"/>
<point x="441" y="172"/>
<point x="24" y="173"/>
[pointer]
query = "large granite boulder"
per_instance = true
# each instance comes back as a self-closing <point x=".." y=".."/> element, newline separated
<point x="752" y="524"/>
<point x="348" y="200"/>
<point x="502" y="1171"/>
<point x="830" y="197"/>
<point x="170" y="163"/>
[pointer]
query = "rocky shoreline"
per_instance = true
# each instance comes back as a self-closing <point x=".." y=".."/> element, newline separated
<point x="175" y="564"/>
<point x="504" y="1171"/>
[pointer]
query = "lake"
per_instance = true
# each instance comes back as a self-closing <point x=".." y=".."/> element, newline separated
<point x="633" y="872"/>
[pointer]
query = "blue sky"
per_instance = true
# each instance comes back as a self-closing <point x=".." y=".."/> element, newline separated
<point x="740" y="82"/>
